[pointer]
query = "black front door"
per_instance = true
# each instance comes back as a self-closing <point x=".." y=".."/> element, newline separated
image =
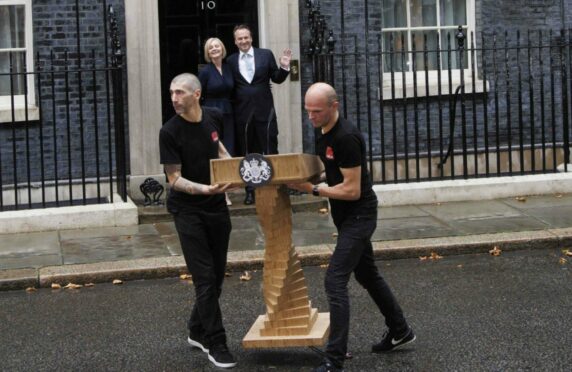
<point x="185" y="25"/>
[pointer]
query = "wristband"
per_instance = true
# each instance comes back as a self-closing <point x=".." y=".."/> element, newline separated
<point x="315" y="190"/>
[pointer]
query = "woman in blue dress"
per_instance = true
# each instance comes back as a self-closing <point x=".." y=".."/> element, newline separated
<point x="217" y="84"/>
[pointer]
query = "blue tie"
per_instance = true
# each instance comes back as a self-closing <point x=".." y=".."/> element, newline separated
<point x="248" y="62"/>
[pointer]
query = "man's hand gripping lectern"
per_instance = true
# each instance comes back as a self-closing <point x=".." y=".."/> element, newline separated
<point x="289" y="320"/>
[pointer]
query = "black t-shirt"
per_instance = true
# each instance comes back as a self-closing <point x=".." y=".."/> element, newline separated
<point x="344" y="147"/>
<point x="192" y="145"/>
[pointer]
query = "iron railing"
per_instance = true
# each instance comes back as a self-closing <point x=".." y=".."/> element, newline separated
<point x="482" y="105"/>
<point x="69" y="148"/>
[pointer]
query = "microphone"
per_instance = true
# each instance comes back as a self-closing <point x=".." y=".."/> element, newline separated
<point x="270" y="117"/>
<point x="246" y="132"/>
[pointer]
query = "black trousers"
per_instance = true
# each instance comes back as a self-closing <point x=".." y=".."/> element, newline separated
<point x="204" y="240"/>
<point x="354" y="253"/>
<point x="260" y="137"/>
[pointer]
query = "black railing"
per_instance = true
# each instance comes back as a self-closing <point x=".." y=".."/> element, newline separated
<point x="468" y="107"/>
<point x="68" y="146"/>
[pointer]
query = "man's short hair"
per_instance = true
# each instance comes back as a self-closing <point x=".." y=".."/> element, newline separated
<point x="242" y="27"/>
<point x="188" y="80"/>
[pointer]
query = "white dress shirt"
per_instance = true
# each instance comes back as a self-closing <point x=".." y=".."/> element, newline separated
<point x="243" y="65"/>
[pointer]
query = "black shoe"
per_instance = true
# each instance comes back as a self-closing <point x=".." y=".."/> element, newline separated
<point x="221" y="357"/>
<point x="197" y="340"/>
<point x="391" y="341"/>
<point x="327" y="366"/>
<point x="249" y="198"/>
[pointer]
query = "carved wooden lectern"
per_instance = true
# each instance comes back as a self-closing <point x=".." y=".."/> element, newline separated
<point x="289" y="320"/>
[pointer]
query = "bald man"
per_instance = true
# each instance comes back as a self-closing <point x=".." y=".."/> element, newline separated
<point x="353" y="205"/>
<point x="187" y="143"/>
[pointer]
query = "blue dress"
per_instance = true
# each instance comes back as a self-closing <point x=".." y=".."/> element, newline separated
<point x="217" y="92"/>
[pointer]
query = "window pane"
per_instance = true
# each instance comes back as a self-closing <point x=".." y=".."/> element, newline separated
<point x="454" y="62"/>
<point x="396" y="59"/>
<point x="18" y="64"/>
<point x="453" y="12"/>
<point x="423" y="12"/>
<point x="12" y="26"/>
<point x="394" y="13"/>
<point x="418" y="39"/>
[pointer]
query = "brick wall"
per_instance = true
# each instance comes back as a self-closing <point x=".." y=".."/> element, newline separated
<point x="364" y="17"/>
<point x="55" y="32"/>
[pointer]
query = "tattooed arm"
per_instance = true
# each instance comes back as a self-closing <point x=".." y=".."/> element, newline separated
<point x="179" y="183"/>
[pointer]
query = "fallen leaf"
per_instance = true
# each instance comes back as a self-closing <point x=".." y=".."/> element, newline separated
<point x="495" y="251"/>
<point x="56" y="286"/>
<point x="323" y="210"/>
<point x="227" y="274"/>
<point x="459" y="266"/>
<point x="246" y="276"/>
<point x="423" y="258"/>
<point x="89" y="285"/>
<point x="324" y="266"/>
<point x="521" y="199"/>
<point x="435" y="256"/>
<point x="185" y="277"/>
<point x="31" y="289"/>
<point x="567" y="252"/>
<point x="117" y="281"/>
<point x="128" y="237"/>
<point x="558" y="195"/>
<point x="335" y="235"/>
<point x="562" y="261"/>
<point x="73" y="286"/>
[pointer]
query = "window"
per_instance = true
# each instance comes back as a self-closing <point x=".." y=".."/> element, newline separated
<point x="16" y="53"/>
<point x="425" y="25"/>
<point x="406" y="23"/>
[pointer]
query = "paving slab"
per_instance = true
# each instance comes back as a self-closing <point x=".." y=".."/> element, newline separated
<point x="107" y="231"/>
<point x="29" y="244"/>
<point x="555" y="216"/>
<point x="470" y="210"/>
<point x="412" y="228"/>
<point x="173" y="244"/>
<point x="164" y="228"/>
<point x="406" y="211"/>
<point x="30" y="261"/>
<point x="492" y="225"/>
<point x="535" y="201"/>
<point x="112" y="248"/>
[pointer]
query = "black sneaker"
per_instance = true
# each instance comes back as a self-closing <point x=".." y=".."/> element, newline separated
<point x="327" y="366"/>
<point x="197" y="340"/>
<point x="391" y="341"/>
<point x="221" y="357"/>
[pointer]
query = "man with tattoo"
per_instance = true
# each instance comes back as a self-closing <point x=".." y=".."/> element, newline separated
<point x="188" y="141"/>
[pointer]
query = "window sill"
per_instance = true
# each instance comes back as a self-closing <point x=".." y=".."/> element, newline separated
<point x="19" y="114"/>
<point x="432" y="90"/>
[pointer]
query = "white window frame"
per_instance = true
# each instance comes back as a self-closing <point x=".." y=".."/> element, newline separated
<point x="20" y="100"/>
<point x="433" y="74"/>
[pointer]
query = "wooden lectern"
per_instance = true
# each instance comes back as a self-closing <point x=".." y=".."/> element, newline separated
<point x="289" y="320"/>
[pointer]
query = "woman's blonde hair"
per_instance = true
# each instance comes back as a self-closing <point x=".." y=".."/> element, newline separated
<point x="208" y="44"/>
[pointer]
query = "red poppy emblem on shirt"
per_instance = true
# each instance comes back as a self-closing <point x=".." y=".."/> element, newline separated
<point x="329" y="153"/>
<point x="214" y="136"/>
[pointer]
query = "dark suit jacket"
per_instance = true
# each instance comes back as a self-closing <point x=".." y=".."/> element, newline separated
<point x="255" y="97"/>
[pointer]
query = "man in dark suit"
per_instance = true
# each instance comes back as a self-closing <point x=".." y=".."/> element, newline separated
<point x="253" y="70"/>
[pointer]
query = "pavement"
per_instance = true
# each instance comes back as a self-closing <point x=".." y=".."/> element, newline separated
<point x="151" y="249"/>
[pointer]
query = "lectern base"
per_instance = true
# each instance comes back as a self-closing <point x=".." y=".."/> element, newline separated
<point x="316" y="337"/>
